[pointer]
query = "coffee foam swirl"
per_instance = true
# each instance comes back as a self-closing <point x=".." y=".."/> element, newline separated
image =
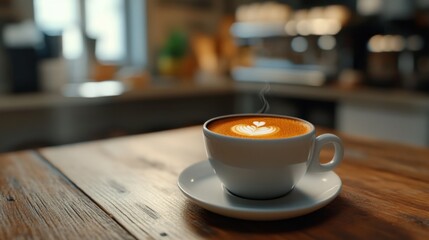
<point x="257" y="129"/>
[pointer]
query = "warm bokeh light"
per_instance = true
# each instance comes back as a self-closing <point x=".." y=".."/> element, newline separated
<point x="327" y="42"/>
<point x="299" y="44"/>
<point x="314" y="21"/>
<point x="386" y="43"/>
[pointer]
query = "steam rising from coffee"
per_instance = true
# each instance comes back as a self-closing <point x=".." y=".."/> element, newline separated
<point x="262" y="92"/>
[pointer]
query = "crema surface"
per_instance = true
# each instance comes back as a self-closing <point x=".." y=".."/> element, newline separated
<point x="259" y="127"/>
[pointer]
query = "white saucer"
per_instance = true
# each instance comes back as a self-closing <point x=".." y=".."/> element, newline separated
<point x="315" y="190"/>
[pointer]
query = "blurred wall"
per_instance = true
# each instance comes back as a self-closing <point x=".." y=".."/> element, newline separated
<point x="24" y="8"/>
<point x="11" y="11"/>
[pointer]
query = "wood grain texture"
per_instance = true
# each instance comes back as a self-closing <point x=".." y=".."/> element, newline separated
<point x="135" y="178"/>
<point x="37" y="202"/>
<point x="385" y="192"/>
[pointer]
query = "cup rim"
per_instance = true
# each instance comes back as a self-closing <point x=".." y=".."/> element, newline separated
<point x="232" y="138"/>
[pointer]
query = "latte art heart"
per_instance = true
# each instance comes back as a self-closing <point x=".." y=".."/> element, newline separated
<point x="258" y="123"/>
<point x="257" y="130"/>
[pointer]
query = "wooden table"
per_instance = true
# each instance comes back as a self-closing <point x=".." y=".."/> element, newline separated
<point x="126" y="188"/>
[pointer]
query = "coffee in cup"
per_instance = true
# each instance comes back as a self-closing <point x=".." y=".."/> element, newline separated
<point x="259" y="127"/>
<point x="263" y="156"/>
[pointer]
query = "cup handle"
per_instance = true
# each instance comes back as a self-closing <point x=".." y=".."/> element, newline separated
<point x="327" y="138"/>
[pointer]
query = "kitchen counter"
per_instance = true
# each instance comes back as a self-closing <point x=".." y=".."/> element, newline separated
<point x="54" y="119"/>
<point x="394" y="97"/>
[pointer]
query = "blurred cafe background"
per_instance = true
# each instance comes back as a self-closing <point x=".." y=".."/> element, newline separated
<point x="82" y="70"/>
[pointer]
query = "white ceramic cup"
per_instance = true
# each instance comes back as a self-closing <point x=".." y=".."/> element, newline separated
<point x="267" y="168"/>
